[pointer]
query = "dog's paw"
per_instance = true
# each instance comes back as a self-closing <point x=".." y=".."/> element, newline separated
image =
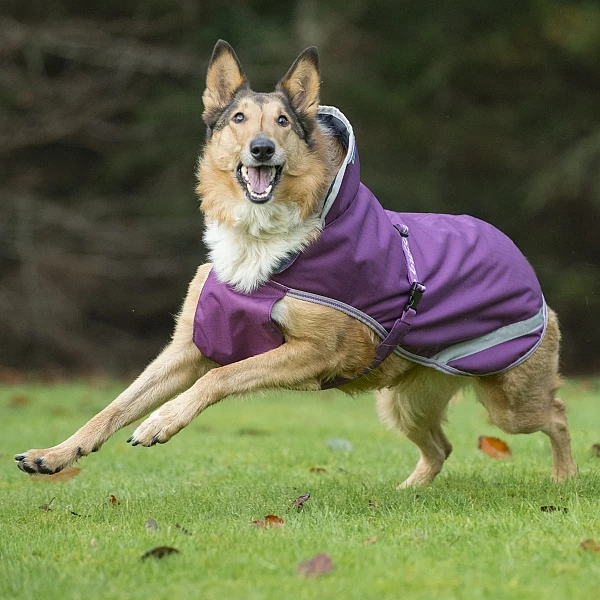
<point x="47" y="462"/>
<point x="154" y="430"/>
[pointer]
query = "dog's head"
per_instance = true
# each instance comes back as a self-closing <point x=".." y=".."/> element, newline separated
<point x="261" y="147"/>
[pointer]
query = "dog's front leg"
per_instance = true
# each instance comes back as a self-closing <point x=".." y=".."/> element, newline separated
<point x="174" y="370"/>
<point x="171" y="372"/>
<point x="295" y="364"/>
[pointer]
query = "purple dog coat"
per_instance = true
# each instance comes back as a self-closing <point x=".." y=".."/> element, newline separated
<point x="449" y="292"/>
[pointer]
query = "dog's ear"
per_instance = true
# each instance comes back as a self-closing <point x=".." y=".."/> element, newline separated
<point x="301" y="83"/>
<point x="223" y="79"/>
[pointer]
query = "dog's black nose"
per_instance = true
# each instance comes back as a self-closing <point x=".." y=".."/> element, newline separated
<point x="262" y="149"/>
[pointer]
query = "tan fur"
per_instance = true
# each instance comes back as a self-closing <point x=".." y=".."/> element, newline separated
<point x="301" y="83"/>
<point x="321" y="343"/>
<point x="223" y="78"/>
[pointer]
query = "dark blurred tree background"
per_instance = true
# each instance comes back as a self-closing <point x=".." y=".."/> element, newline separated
<point x="476" y="106"/>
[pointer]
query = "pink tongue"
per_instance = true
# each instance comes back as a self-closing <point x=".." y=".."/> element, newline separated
<point x="259" y="178"/>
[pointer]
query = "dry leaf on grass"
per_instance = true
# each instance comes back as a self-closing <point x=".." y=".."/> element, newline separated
<point x="159" y="552"/>
<point x="563" y="509"/>
<point x="318" y="470"/>
<point x="18" y="401"/>
<point x="47" y="506"/>
<point x="64" y="475"/>
<point x="317" y="565"/>
<point x="494" y="447"/>
<point x="113" y="500"/>
<point x="299" y="501"/>
<point x="183" y="529"/>
<point x="596" y="450"/>
<point x="370" y="540"/>
<point x="269" y="521"/>
<point x="589" y="546"/>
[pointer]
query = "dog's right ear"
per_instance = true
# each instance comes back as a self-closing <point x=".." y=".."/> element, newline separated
<point x="223" y="79"/>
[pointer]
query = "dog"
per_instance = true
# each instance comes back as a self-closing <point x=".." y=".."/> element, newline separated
<point x="312" y="284"/>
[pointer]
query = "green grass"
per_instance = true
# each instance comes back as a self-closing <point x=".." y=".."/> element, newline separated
<point x="477" y="532"/>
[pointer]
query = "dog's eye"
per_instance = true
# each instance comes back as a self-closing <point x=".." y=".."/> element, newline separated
<point x="238" y="117"/>
<point x="282" y="120"/>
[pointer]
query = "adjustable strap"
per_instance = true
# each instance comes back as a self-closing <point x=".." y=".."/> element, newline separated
<point x="402" y="326"/>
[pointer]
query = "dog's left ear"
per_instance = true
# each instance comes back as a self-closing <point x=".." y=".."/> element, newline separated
<point x="223" y="79"/>
<point x="301" y="83"/>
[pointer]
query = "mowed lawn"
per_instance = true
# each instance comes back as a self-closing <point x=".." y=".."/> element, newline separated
<point x="477" y="532"/>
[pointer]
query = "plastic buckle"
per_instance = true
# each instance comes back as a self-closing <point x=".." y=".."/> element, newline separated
<point x="414" y="295"/>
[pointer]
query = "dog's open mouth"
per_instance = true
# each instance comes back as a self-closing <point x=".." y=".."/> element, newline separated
<point x="259" y="182"/>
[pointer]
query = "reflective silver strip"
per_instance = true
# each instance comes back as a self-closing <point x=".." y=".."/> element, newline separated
<point x="440" y="360"/>
<point x="504" y="334"/>
<point x="337" y="182"/>
<point x="364" y="318"/>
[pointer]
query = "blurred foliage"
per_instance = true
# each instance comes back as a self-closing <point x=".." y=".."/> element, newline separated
<point x="476" y="106"/>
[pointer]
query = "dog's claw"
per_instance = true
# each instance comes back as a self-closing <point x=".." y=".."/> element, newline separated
<point x="25" y="467"/>
<point x="41" y="468"/>
<point x="129" y="439"/>
<point x="19" y="457"/>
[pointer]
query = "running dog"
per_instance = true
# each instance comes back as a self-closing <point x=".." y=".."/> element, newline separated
<point x="312" y="284"/>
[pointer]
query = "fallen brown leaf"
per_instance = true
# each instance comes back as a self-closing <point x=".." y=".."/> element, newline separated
<point x="318" y="470"/>
<point x="596" y="450"/>
<point x="64" y="475"/>
<point x="370" y="540"/>
<point x="18" y="401"/>
<point x="590" y="546"/>
<point x="159" y="552"/>
<point x="563" y="509"/>
<point x="494" y="447"/>
<point x="46" y="506"/>
<point x="300" y="500"/>
<point x="317" y="565"/>
<point x="269" y="521"/>
<point x="183" y="529"/>
<point x="114" y="500"/>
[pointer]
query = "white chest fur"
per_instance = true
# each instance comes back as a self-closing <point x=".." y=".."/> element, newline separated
<point x="245" y="254"/>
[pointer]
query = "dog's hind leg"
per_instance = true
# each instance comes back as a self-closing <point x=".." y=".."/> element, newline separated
<point x="178" y="366"/>
<point x="523" y="400"/>
<point x="417" y="407"/>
